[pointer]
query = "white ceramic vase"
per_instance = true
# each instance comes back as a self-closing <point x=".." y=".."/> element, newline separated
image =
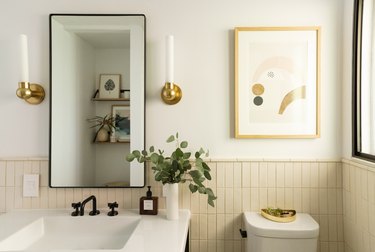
<point x="172" y="201"/>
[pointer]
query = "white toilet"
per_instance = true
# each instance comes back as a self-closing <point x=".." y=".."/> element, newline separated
<point x="268" y="236"/>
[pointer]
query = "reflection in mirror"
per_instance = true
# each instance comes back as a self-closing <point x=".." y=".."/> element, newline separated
<point x="364" y="80"/>
<point x="96" y="61"/>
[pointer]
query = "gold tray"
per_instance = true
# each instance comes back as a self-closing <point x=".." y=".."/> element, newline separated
<point x="286" y="216"/>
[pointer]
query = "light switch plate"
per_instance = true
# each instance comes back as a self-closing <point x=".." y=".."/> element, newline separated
<point x="31" y="185"/>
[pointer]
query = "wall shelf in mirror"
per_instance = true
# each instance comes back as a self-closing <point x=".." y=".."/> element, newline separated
<point x="96" y="97"/>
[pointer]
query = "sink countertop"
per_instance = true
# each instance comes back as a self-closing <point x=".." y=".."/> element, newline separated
<point x="153" y="233"/>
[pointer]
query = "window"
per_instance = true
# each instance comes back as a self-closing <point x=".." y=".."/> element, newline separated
<point x="364" y="80"/>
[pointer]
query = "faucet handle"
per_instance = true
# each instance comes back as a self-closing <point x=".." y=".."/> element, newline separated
<point x="112" y="206"/>
<point x="76" y="207"/>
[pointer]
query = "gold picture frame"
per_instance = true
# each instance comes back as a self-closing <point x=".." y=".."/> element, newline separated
<point x="277" y="82"/>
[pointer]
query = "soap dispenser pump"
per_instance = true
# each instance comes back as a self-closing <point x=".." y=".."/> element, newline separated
<point x="149" y="204"/>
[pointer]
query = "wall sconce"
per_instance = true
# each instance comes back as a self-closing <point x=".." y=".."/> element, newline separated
<point x="171" y="93"/>
<point x="31" y="92"/>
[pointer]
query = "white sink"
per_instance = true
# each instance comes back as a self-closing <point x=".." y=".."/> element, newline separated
<point x="64" y="233"/>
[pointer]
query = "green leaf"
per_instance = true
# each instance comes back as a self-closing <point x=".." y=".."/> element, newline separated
<point x="152" y="149"/>
<point x="187" y="155"/>
<point x="210" y="192"/>
<point x="201" y="190"/>
<point x="174" y="165"/>
<point x="197" y="155"/>
<point x="179" y="153"/>
<point x="193" y="188"/>
<point x="170" y="139"/>
<point x="130" y="157"/>
<point x="136" y="153"/>
<point x="207" y="175"/>
<point x="177" y="135"/>
<point x="154" y="158"/>
<point x="184" y="144"/>
<point x="205" y="166"/>
<point x="144" y="153"/>
<point x="211" y="202"/>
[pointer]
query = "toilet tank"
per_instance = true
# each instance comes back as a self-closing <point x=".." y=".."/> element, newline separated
<point x="264" y="235"/>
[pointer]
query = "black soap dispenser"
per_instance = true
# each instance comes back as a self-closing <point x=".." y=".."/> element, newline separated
<point x="148" y="205"/>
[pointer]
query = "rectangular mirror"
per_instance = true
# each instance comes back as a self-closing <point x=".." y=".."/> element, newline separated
<point x="97" y="71"/>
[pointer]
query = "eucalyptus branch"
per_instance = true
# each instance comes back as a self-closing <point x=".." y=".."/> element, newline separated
<point x="177" y="167"/>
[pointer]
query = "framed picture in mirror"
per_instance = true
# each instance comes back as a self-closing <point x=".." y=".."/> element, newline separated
<point x="109" y="86"/>
<point x="121" y="113"/>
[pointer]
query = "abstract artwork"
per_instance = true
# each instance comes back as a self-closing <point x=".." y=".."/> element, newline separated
<point x="109" y="86"/>
<point x="277" y="82"/>
<point x="121" y="113"/>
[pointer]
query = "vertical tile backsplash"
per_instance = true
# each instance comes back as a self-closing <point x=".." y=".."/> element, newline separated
<point x="312" y="186"/>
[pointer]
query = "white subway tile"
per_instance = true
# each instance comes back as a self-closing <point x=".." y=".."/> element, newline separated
<point x="203" y="246"/>
<point x="280" y="198"/>
<point x="203" y="226"/>
<point x="61" y="198"/>
<point x="314" y="170"/>
<point x="2" y="173"/>
<point x="339" y="178"/>
<point x="203" y="205"/>
<point x="52" y="198"/>
<point x="345" y="177"/>
<point x="9" y="198"/>
<point x="18" y="200"/>
<point x="271" y="197"/>
<point x="220" y="201"/>
<point x="332" y="175"/>
<point x="306" y="174"/>
<point x="246" y="179"/>
<point x="254" y="174"/>
<point x="332" y="201"/>
<point x="323" y="228"/>
<point x="323" y="175"/>
<point x="211" y="246"/>
<point x="288" y="174"/>
<point x="271" y="174"/>
<point x="237" y="200"/>
<point x="263" y="174"/>
<point x="297" y="199"/>
<point x="323" y="201"/>
<point x="229" y="221"/>
<point x="263" y="199"/>
<point x="246" y="199"/>
<point x="364" y="184"/>
<point x="237" y="175"/>
<point x="194" y="228"/>
<point x="280" y="175"/>
<point x="288" y="198"/>
<point x="254" y="199"/>
<point x="228" y="200"/>
<point x="2" y="199"/>
<point x="220" y="173"/>
<point x="228" y="167"/>
<point x="306" y="200"/>
<point x="18" y="173"/>
<point x="220" y="225"/>
<point x="297" y="174"/>
<point x="314" y="201"/>
<point x="332" y="228"/>
<point x="10" y="170"/>
<point x="211" y="226"/>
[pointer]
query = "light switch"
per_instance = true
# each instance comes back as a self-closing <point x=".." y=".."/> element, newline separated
<point x="31" y="185"/>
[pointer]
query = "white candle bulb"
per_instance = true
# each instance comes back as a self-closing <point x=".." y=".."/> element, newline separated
<point x="24" y="59"/>
<point x="170" y="59"/>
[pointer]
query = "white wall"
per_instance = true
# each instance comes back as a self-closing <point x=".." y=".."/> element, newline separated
<point x="204" y="68"/>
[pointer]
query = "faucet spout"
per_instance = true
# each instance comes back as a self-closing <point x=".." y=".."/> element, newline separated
<point x="94" y="209"/>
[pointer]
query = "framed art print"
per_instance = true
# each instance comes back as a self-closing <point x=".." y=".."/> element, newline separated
<point x="121" y="113"/>
<point x="109" y="86"/>
<point x="277" y="82"/>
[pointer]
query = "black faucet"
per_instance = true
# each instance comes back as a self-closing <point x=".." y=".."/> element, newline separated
<point x="94" y="210"/>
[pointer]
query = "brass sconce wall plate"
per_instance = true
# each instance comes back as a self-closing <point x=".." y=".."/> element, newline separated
<point x="171" y="94"/>
<point x="32" y="93"/>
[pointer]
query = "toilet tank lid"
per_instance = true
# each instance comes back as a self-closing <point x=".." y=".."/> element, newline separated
<point x="303" y="227"/>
